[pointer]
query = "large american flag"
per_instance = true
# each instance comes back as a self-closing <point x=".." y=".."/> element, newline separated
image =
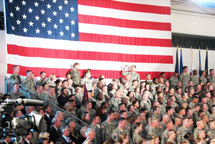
<point x="103" y="35"/>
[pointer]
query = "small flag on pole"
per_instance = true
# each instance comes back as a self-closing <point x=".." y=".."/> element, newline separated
<point x="176" y="62"/>
<point x="181" y="62"/>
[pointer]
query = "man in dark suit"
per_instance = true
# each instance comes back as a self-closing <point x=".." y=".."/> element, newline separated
<point x="54" y="130"/>
<point x="65" y="139"/>
<point x="48" y="116"/>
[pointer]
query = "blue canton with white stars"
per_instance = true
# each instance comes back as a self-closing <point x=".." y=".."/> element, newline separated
<point x="53" y="19"/>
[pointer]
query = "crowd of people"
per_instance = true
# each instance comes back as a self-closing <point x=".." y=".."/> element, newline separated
<point x="177" y="110"/>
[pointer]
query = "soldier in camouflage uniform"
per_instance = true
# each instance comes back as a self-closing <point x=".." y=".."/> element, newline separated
<point x="136" y="135"/>
<point x="15" y="76"/>
<point x="15" y="93"/>
<point x="29" y="82"/>
<point x="119" y="130"/>
<point x="173" y="80"/>
<point x="75" y="74"/>
<point x="200" y="126"/>
<point x="203" y="78"/>
<point x="182" y="131"/>
<point x="184" y="78"/>
<point x="43" y="79"/>
<point x="164" y="135"/>
<point x="134" y="75"/>
<point x="151" y="130"/>
<point x="108" y="126"/>
<point x="211" y="77"/>
<point x="211" y="132"/>
<point x="195" y="78"/>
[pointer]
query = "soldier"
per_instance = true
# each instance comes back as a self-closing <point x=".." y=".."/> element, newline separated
<point x="108" y="126"/>
<point x="75" y="74"/>
<point x="200" y="126"/>
<point x="119" y="130"/>
<point x="195" y="78"/>
<point x="162" y="124"/>
<point x="15" y="76"/>
<point x="43" y="79"/>
<point x="115" y="101"/>
<point x="151" y="129"/>
<point x="185" y="78"/>
<point x="173" y="80"/>
<point x="136" y="135"/>
<point x="203" y="78"/>
<point x="164" y="135"/>
<point x="134" y="75"/>
<point x="211" y="132"/>
<point x="211" y="77"/>
<point x="182" y="131"/>
<point x="171" y="137"/>
<point x="96" y="127"/>
<point x="15" y="93"/>
<point x="148" y="79"/>
<point x="29" y="82"/>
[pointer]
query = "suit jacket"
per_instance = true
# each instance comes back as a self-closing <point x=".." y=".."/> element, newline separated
<point x="25" y="142"/>
<point x="48" y="121"/>
<point x="54" y="134"/>
<point x="62" y="140"/>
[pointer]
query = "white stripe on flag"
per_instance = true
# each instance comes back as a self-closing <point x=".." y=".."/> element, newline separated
<point x="86" y="46"/>
<point x="127" y="32"/>
<point x="121" y="14"/>
<point x="84" y="64"/>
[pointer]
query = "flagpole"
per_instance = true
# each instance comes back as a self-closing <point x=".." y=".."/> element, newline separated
<point x="206" y="61"/>
<point x="200" y="64"/>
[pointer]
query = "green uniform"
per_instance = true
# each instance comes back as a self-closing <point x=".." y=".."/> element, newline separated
<point x="29" y="84"/>
<point x="151" y="132"/>
<point x="181" y="133"/>
<point x="195" y="79"/>
<point x="75" y="74"/>
<point x="17" y="78"/>
<point x="136" y="138"/>
<point x="212" y="80"/>
<point x="107" y="129"/>
<point x="134" y="76"/>
<point x="185" y="78"/>
<point x="203" y="79"/>
<point x="117" y="132"/>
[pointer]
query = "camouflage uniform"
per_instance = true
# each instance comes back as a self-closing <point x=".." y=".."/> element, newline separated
<point x="211" y="133"/>
<point x="136" y="138"/>
<point x="181" y="133"/>
<point x="17" y="78"/>
<point x="203" y="79"/>
<point x="151" y="132"/>
<point x="185" y="78"/>
<point x="75" y="74"/>
<point x="212" y="80"/>
<point x="41" y="82"/>
<point x="134" y="76"/>
<point x="117" y="132"/>
<point x="195" y="79"/>
<point x="29" y="83"/>
<point x="107" y="129"/>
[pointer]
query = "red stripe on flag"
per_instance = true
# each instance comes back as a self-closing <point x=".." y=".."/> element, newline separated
<point x="95" y="73"/>
<point x="87" y="55"/>
<point x="126" y="6"/>
<point x="124" y="23"/>
<point x="124" y="40"/>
